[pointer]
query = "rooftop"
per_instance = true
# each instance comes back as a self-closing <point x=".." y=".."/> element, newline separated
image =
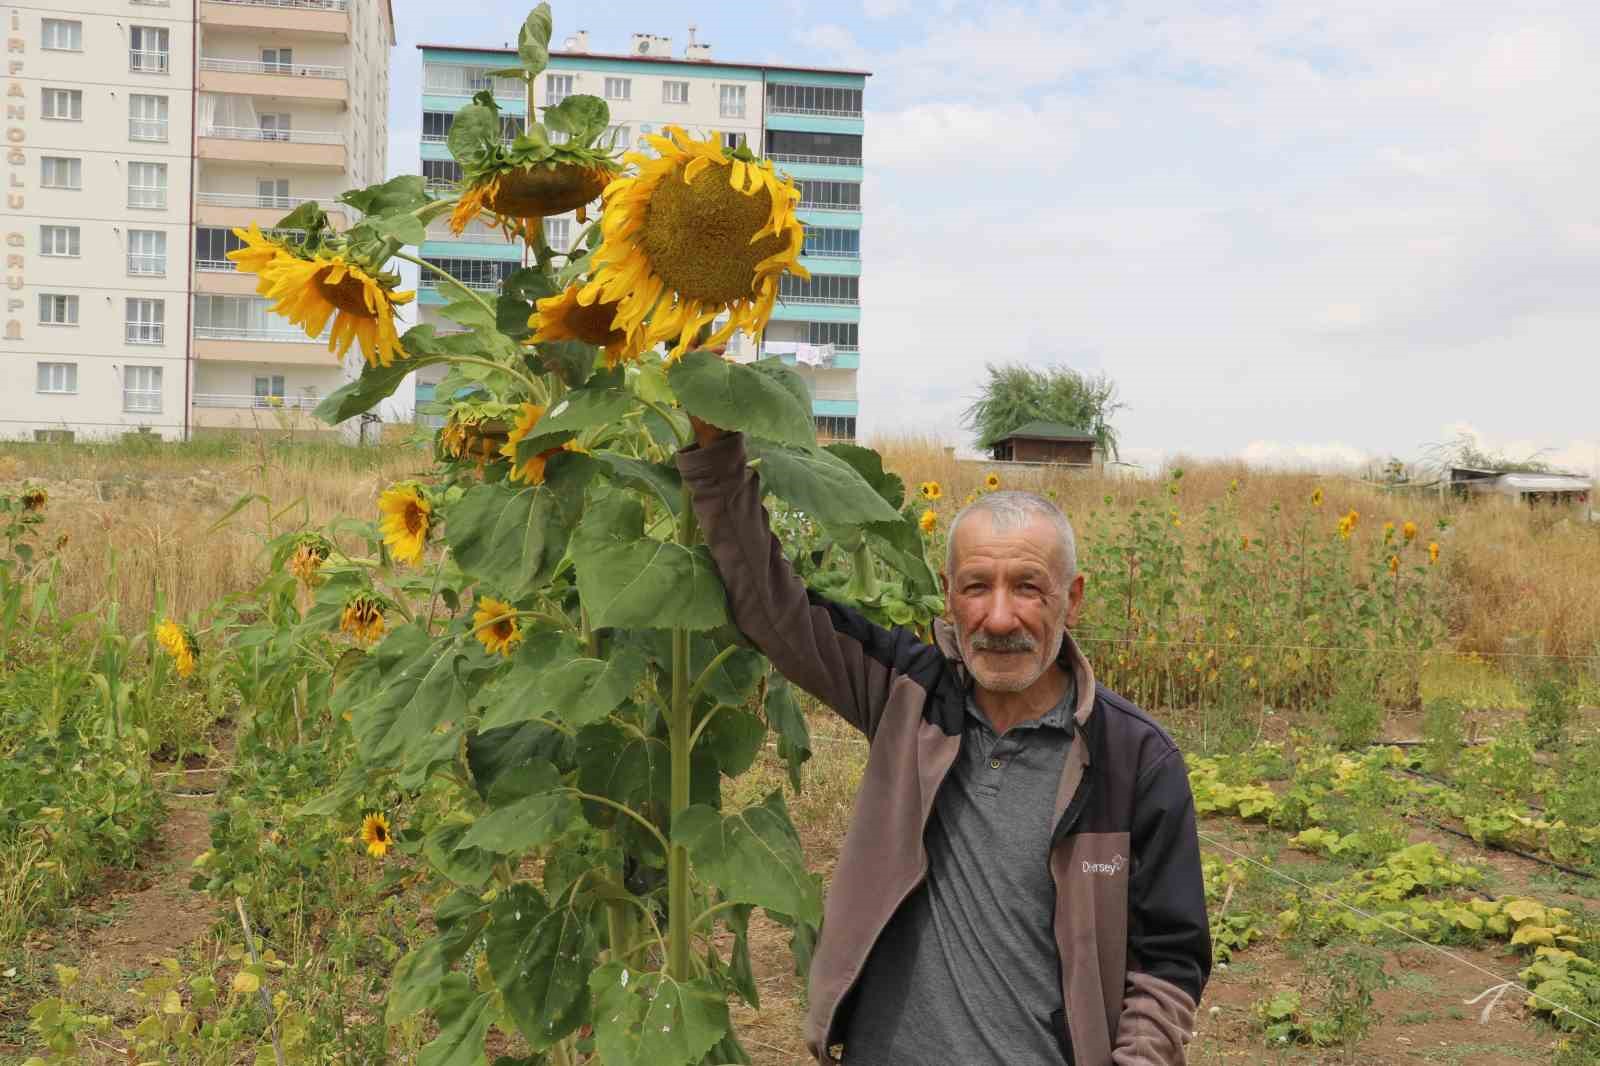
<point x="1049" y="431"/>
<point x="650" y="59"/>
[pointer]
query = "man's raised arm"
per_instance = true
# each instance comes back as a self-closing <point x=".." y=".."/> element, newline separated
<point x="830" y="651"/>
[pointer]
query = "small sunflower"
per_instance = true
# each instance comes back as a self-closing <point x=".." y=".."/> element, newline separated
<point x="928" y="522"/>
<point x="1347" y="524"/>
<point x="180" y="644"/>
<point x="520" y="197"/>
<point x="407" y="516"/>
<point x="1316" y="497"/>
<point x="1409" y="532"/>
<point x="992" y="482"/>
<point x="1388" y="532"/>
<point x="495" y="625"/>
<point x="531" y="470"/>
<point x="362" y="618"/>
<point x="697" y="232"/>
<point x="375" y="835"/>
<point x="1394" y="564"/>
<point x="308" y="289"/>
<point x="563" y="317"/>
<point x="1433" y="552"/>
<point x="34" y="499"/>
<point x="930" y="490"/>
<point x="310" y="552"/>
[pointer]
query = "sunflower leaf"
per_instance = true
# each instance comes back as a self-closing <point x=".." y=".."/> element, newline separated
<point x="554" y="680"/>
<point x="530" y="822"/>
<point x="405" y="193"/>
<point x="649" y="1019"/>
<point x="628" y="579"/>
<point x="752" y="856"/>
<point x="659" y="479"/>
<point x="516" y="537"/>
<point x="581" y="116"/>
<point x="533" y="40"/>
<point x="460" y="1039"/>
<point x="602" y="401"/>
<point x="752" y="399"/>
<point x="529" y="283"/>
<point x="475" y="128"/>
<point x="819" y="483"/>
<point x="511" y="317"/>
<point x="377" y="383"/>
<point x="540" y="958"/>
<point x="572" y="361"/>
<point x="869" y="464"/>
<point x="789" y="722"/>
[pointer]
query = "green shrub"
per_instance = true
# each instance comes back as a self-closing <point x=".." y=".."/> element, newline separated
<point x="1443" y="733"/>
<point x="1550" y="713"/>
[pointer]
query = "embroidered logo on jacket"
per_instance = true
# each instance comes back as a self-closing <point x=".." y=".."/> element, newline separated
<point x="1105" y="869"/>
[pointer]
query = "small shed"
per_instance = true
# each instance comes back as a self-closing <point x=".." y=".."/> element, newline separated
<point x="1530" y="487"/>
<point x="1047" y="442"/>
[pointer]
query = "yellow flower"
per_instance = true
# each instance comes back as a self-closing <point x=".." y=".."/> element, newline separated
<point x="694" y="234"/>
<point x="531" y="470"/>
<point x="520" y="197"/>
<point x="308" y="290"/>
<point x="1347" y="524"/>
<point x="407" y="515"/>
<point x="1394" y="564"/>
<point x="1244" y="542"/>
<point x="928" y="522"/>
<point x="362" y="618"/>
<point x="495" y="625"/>
<point x="1409" y="531"/>
<point x="931" y="491"/>
<point x="376" y="836"/>
<point x="992" y="482"/>
<point x="180" y="644"/>
<point x="310" y="552"/>
<point x="34" y="499"/>
<point x="1388" y="532"/>
<point x="563" y="317"/>
<point x="1316" y="497"/>
<point x="1433" y="552"/>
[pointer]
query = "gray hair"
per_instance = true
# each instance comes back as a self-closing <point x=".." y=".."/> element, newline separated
<point x="1010" y="509"/>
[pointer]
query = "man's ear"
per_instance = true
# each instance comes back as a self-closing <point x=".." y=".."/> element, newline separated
<point x="1074" y="599"/>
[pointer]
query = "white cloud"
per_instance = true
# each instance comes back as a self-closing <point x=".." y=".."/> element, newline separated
<point x="883" y="9"/>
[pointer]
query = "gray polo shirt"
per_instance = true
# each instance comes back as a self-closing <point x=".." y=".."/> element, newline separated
<point x="966" y="972"/>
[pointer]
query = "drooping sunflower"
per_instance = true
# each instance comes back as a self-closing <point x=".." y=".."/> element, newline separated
<point x="310" y="552"/>
<point x="531" y="470"/>
<point x="475" y="430"/>
<point x="407" y="517"/>
<point x="34" y="499"/>
<point x="519" y="197"/>
<point x="930" y="490"/>
<point x="992" y="482"/>
<point x="928" y="522"/>
<point x="1394" y="564"/>
<point x="1244" y="542"/>
<point x="1433" y="552"/>
<point x="310" y="288"/>
<point x="362" y="618"/>
<point x="563" y="317"/>
<point x="495" y="625"/>
<point x="180" y="644"/>
<point x="697" y="232"/>
<point x="375" y="835"/>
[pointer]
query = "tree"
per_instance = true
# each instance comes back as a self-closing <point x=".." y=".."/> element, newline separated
<point x="1015" y="395"/>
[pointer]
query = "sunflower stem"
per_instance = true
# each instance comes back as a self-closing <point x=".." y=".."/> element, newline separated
<point x="443" y="273"/>
<point x="536" y="390"/>
<point x="679" y="958"/>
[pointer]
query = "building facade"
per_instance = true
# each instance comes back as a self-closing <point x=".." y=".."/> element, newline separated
<point x="807" y="120"/>
<point x="139" y="132"/>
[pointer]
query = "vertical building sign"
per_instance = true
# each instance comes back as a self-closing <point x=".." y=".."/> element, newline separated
<point x="16" y="175"/>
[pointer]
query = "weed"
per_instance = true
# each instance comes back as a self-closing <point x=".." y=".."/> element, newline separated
<point x="1443" y="733"/>
<point x="1550" y="713"/>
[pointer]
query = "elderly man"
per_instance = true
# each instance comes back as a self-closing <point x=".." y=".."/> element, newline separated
<point x="1021" y="881"/>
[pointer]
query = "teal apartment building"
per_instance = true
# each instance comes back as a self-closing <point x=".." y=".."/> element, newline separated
<point x="807" y="120"/>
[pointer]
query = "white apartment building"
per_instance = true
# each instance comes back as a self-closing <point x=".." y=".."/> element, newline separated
<point x="138" y="133"/>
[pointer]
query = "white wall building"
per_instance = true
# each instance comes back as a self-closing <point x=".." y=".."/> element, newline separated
<point x="137" y="136"/>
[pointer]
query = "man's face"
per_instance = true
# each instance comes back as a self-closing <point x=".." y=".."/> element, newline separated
<point x="1009" y="603"/>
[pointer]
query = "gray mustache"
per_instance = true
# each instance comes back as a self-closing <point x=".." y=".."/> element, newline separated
<point x="1013" y="642"/>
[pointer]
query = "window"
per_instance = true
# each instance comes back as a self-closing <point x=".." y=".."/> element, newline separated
<point x="273" y="192"/>
<point x="58" y="377"/>
<point x="618" y="137"/>
<point x="820" y="289"/>
<point x="242" y="318"/>
<point x="836" y="427"/>
<point x="147" y="185"/>
<point x="674" y="92"/>
<point x="437" y="173"/>
<point x="619" y="88"/>
<point x="511" y="127"/>
<point x="482" y="274"/>
<point x="62" y="35"/>
<point x="813" y="100"/>
<point x="796" y="147"/>
<point x="269" y="388"/>
<point x="557" y="87"/>
<point x="56" y="309"/>
<point x="147" y="252"/>
<point x="845" y="335"/>
<point x="57" y="172"/>
<point x="147" y="117"/>
<point x="833" y="243"/>
<point x="447" y="79"/>
<point x="436" y="126"/>
<point x="147" y="50"/>
<point x="733" y="140"/>
<point x="65" y="104"/>
<point x="141" y="389"/>
<point x="58" y="240"/>
<point x="274" y="127"/>
<point x="558" y="233"/>
<point x="831" y="195"/>
<point x="277" y="60"/>
<point x="146" y="321"/>
<point x="731" y="101"/>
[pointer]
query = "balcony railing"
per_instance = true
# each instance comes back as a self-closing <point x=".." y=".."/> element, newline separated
<point x="834" y="394"/>
<point x="443" y="188"/>
<point x="215" y="266"/>
<point x="831" y="253"/>
<point x="466" y="81"/>
<point x="255" y="66"/>
<point x="146" y="333"/>
<point x="255" y="133"/>
<point x="147" y="129"/>
<point x="148" y="197"/>
<point x="808" y="205"/>
<point x="275" y="334"/>
<point x="845" y="301"/>
<point x="826" y="160"/>
<point x="147" y="265"/>
<point x="283" y="403"/>
<point x="276" y="203"/>
<point x="149" y="62"/>
<point x="301" y="5"/>
<point x="431" y="281"/>
<point x="142" y="401"/>
<point x="829" y="112"/>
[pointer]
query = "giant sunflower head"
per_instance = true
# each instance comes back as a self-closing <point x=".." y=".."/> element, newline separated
<point x="308" y="288"/>
<point x="519" y="197"/>
<point x="699" y="231"/>
<point x="407" y="516"/>
<point x="564" y="317"/>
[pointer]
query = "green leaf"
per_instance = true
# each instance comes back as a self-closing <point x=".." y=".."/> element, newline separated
<point x="733" y="738"/>
<point x="628" y="579"/>
<point x="308" y="217"/>
<point x="404" y="227"/>
<point x="516" y="696"/>
<point x="572" y="361"/>
<point x="533" y="40"/>
<point x="602" y="401"/>
<point x="869" y="464"/>
<point x="468" y="867"/>
<point x="900" y="544"/>
<point x="511" y="317"/>
<point x="536" y="819"/>
<point x="820" y="484"/>
<point x="744" y="977"/>
<point x="467" y="310"/>
<point x="530" y="284"/>
<point x="405" y="193"/>
<point x="475" y="128"/>
<point x="581" y="116"/>
<point x="515" y="538"/>
<point x="752" y="855"/>
<point x="376" y="384"/>
<point x="660" y="479"/>
<point x="418" y="978"/>
<point x="501" y="759"/>
<point x="541" y="959"/>
<point x="789" y="722"/>
<point x="420" y="692"/>
<point x="624" y="766"/>
<point x="584" y="690"/>
<point x="753" y="399"/>
<point x="648" y="1019"/>
<point x="460" y="1040"/>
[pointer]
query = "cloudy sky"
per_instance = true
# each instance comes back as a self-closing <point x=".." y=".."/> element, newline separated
<point x="1292" y="230"/>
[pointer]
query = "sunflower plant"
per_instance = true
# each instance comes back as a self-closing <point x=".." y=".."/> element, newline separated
<point x="539" y="674"/>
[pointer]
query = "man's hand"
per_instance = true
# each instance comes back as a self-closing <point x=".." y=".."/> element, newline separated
<point x="705" y="434"/>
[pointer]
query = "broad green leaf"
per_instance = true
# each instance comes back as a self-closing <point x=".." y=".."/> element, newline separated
<point x="460" y="1039"/>
<point x="515" y="695"/>
<point x="421" y="691"/>
<point x="572" y="361"/>
<point x="869" y="464"/>
<point x="553" y="680"/>
<point x="820" y="484"/>
<point x="405" y="193"/>
<point x="466" y="309"/>
<point x="417" y="979"/>
<point x="729" y="1052"/>
<point x="900" y="544"/>
<point x="602" y="401"/>
<point x="624" y="766"/>
<point x="660" y="479"/>
<point x="530" y="284"/>
<point x="744" y="977"/>
<point x="376" y="384"/>
<point x="501" y="758"/>
<point x="511" y="316"/>
<point x="735" y="396"/>
<point x="466" y="866"/>
<point x="533" y="40"/>
<point x="789" y="722"/>
<point x="309" y="218"/>
<point x="648" y="1019"/>
<point x="514" y="538"/>
<point x="580" y="116"/>
<point x="752" y="855"/>
<point x="541" y="959"/>
<point x="628" y="579"/>
<point x="404" y="227"/>
<point x="476" y="127"/>
<point x="534" y="820"/>
<point x="733" y="738"/>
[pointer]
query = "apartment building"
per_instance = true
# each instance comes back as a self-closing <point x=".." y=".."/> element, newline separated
<point x="807" y="120"/>
<point x="139" y="132"/>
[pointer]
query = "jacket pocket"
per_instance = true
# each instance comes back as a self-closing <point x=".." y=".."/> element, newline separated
<point x="1058" y="1022"/>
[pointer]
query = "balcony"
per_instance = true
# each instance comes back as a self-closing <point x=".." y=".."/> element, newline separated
<point x="260" y="344"/>
<point x="431" y="281"/>
<point x="250" y="77"/>
<point x="226" y="411"/>
<point x="147" y="266"/>
<point x="147" y="129"/>
<point x="145" y="332"/>
<point x="146" y="62"/>
<point x="247" y="144"/>
<point x="311" y="18"/>
<point x="240" y="209"/>
<point x="822" y="160"/>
